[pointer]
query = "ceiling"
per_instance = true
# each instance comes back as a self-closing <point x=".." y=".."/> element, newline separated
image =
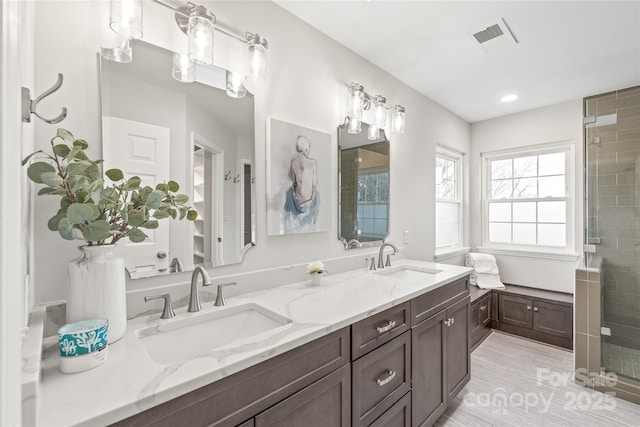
<point x="565" y="50"/>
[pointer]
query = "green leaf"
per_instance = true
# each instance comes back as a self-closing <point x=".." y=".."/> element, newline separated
<point x="109" y="195"/>
<point x="136" y="235"/>
<point x="95" y="185"/>
<point x="173" y="186"/>
<point x="180" y="199"/>
<point x="192" y="215"/>
<point x="65" y="135"/>
<point x="173" y="213"/>
<point x="96" y="212"/>
<point x="136" y="218"/>
<point x="114" y="175"/>
<point x="134" y="182"/>
<point x="73" y="153"/>
<point x="26" y="159"/>
<point x="151" y="225"/>
<point x="51" y="179"/>
<point x="96" y="231"/>
<point x="35" y="171"/>
<point x="79" y="213"/>
<point x="65" y="228"/>
<point x="54" y="221"/>
<point x="81" y="143"/>
<point x="154" y="199"/>
<point x="79" y="183"/>
<point x="161" y="214"/>
<point x="78" y="167"/>
<point x="47" y="190"/>
<point x="61" y="150"/>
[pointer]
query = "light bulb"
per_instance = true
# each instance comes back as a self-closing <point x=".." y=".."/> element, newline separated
<point x="125" y="18"/>
<point x="257" y="59"/>
<point x="398" y="119"/>
<point x="380" y="111"/>
<point x="183" y="69"/>
<point x="373" y="133"/>
<point x="354" y="126"/>
<point x="356" y="101"/>
<point x="200" y="33"/>
<point x="235" y="88"/>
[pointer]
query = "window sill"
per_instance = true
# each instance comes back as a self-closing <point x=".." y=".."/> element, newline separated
<point x="450" y="253"/>
<point x="559" y="256"/>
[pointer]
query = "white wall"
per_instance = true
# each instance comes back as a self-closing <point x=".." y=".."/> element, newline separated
<point x="307" y="77"/>
<point x="561" y="122"/>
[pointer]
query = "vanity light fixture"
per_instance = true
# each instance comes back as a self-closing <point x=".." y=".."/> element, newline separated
<point x="373" y="133"/>
<point x="257" y="58"/>
<point x="200" y="32"/>
<point x="125" y="18"/>
<point x="398" y="119"/>
<point x="235" y="88"/>
<point x="183" y="69"/>
<point x="359" y="101"/>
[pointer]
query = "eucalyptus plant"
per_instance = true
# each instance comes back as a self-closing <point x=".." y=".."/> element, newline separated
<point x="93" y="210"/>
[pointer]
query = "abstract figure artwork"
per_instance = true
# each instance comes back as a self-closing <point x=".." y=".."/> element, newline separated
<point x="299" y="179"/>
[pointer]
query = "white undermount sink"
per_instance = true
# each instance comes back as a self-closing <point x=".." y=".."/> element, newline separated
<point x="179" y="339"/>
<point x="408" y="273"/>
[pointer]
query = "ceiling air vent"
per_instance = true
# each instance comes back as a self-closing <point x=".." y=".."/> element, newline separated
<point x="493" y="37"/>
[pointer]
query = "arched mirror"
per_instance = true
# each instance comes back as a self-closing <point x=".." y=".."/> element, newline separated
<point x="193" y="133"/>
<point x="363" y="177"/>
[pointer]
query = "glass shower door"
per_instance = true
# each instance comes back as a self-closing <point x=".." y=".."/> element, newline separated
<point x="612" y="221"/>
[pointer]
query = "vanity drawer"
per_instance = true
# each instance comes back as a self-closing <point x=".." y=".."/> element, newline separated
<point x="432" y="302"/>
<point x="238" y="397"/>
<point x="378" y="329"/>
<point x="380" y="379"/>
<point x="399" y="415"/>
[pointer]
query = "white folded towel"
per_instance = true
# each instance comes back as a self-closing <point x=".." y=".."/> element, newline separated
<point x="481" y="263"/>
<point x="486" y="281"/>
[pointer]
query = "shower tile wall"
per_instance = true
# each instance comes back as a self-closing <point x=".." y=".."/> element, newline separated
<point x="614" y="211"/>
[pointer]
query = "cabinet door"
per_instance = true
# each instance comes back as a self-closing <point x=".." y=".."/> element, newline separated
<point x="428" y="393"/>
<point x="553" y="319"/>
<point x="515" y="311"/>
<point x="458" y="366"/>
<point x="327" y="402"/>
<point x="474" y="321"/>
<point x="484" y="311"/>
<point x="399" y="415"/>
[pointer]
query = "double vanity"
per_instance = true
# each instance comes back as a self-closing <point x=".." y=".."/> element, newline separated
<point x="355" y="351"/>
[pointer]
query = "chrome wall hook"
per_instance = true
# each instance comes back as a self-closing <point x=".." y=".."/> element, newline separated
<point x="236" y="179"/>
<point x="29" y="105"/>
<point x="227" y="176"/>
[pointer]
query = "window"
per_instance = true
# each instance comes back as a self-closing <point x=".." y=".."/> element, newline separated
<point x="448" y="200"/>
<point x="373" y="205"/>
<point x="527" y="200"/>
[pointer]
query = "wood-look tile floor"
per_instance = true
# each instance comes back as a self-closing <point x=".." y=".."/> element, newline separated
<point x="517" y="382"/>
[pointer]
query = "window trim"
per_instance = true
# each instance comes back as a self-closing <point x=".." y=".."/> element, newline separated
<point x="456" y="157"/>
<point x="566" y="146"/>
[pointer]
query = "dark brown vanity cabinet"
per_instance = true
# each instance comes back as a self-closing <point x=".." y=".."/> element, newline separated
<point x="480" y="319"/>
<point x="440" y="351"/>
<point x="537" y="318"/>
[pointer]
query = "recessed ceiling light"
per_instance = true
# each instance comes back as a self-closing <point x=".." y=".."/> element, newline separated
<point x="509" y="98"/>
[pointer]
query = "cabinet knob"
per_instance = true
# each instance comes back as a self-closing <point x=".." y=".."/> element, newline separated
<point x="483" y="308"/>
<point x="535" y="308"/>
<point x="387" y="327"/>
<point x="382" y="381"/>
<point x="529" y="307"/>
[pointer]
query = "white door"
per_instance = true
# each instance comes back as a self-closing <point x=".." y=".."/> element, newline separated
<point x="140" y="149"/>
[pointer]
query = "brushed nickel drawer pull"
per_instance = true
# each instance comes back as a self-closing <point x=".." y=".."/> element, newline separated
<point x="387" y="327"/>
<point x="390" y="375"/>
<point x="483" y="308"/>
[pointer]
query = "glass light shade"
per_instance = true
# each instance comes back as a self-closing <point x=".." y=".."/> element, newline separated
<point x="354" y="126"/>
<point x="257" y="59"/>
<point x="122" y="53"/>
<point x="398" y="119"/>
<point x="125" y="18"/>
<point x="373" y="133"/>
<point x="200" y="33"/>
<point x="380" y="111"/>
<point x="356" y="101"/>
<point x="183" y="69"/>
<point x="235" y="88"/>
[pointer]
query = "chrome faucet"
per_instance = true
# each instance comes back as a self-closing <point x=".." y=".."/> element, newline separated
<point x="175" y="266"/>
<point x="194" y="300"/>
<point x="380" y="262"/>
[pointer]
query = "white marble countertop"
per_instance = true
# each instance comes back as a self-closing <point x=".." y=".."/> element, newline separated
<point x="130" y="381"/>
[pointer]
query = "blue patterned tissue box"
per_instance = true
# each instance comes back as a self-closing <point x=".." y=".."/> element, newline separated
<point x="83" y="337"/>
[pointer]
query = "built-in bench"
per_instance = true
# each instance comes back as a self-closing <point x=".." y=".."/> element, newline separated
<point x="538" y="314"/>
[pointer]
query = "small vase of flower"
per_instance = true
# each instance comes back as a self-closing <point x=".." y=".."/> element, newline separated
<point x="316" y="270"/>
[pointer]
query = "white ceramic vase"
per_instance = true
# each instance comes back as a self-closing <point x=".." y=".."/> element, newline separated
<point x="316" y="279"/>
<point x="97" y="289"/>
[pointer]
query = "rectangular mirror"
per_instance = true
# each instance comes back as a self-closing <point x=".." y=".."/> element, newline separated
<point x="363" y="176"/>
<point x="159" y="128"/>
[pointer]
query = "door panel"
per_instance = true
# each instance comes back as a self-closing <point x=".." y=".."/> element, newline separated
<point x="140" y="149"/>
<point x="515" y="311"/>
<point x="457" y="348"/>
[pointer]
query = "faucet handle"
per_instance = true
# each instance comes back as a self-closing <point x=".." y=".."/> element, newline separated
<point x="220" y="297"/>
<point x="167" y="311"/>
<point x="372" y="265"/>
